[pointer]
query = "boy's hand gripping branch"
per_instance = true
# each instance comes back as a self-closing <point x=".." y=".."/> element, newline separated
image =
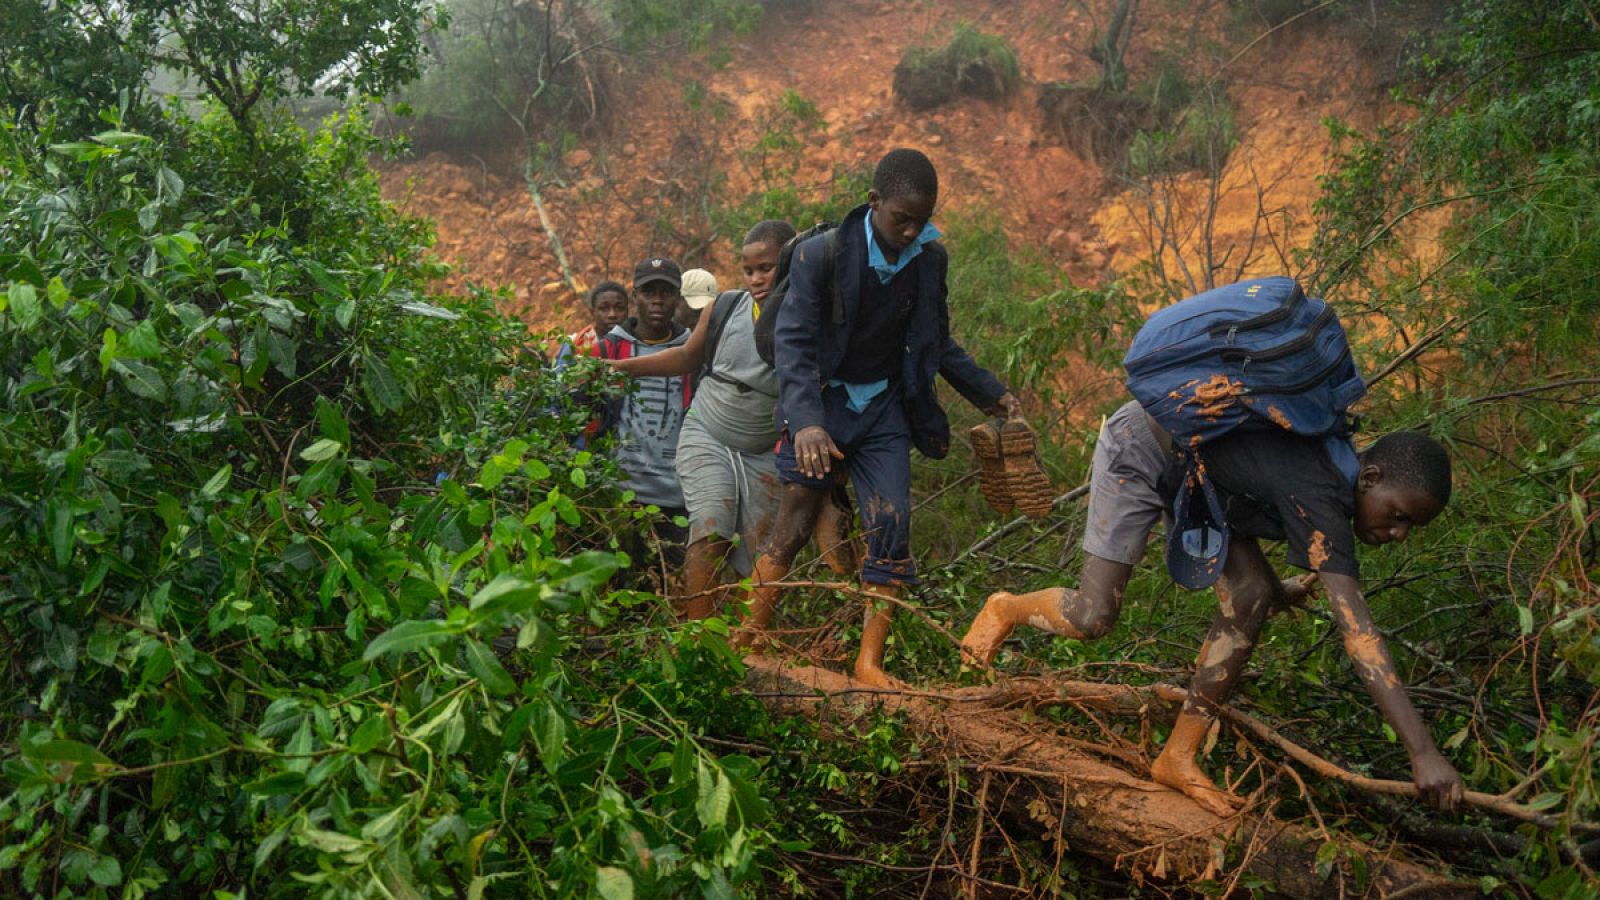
<point x="1437" y="781"/>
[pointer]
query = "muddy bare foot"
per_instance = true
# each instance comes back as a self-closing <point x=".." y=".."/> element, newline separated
<point x="989" y="630"/>
<point x="1187" y="777"/>
<point x="872" y="676"/>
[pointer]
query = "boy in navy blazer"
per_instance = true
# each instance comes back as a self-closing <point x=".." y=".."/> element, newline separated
<point x="856" y="387"/>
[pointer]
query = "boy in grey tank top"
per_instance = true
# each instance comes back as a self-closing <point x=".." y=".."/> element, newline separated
<point x="725" y="459"/>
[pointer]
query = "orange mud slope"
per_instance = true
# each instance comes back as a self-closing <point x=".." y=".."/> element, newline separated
<point x="841" y="56"/>
<point x="1282" y="89"/>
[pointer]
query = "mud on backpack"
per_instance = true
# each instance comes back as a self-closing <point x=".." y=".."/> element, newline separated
<point x="1259" y="355"/>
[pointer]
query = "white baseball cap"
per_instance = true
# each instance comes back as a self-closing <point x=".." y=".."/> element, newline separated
<point x="699" y="288"/>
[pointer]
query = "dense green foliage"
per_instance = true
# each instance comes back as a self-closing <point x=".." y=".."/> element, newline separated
<point x="260" y="639"/>
<point x="301" y="564"/>
<point x="306" y="589"/>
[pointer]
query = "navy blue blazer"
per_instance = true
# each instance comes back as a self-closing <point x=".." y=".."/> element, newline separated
<point x="809" y="346"/>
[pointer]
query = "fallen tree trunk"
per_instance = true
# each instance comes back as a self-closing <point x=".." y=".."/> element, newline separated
<point x="1139" y="827"/>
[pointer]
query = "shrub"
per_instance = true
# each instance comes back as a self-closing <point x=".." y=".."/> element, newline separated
<point x="973" y="63"/>
<point x="303" y="557"/>
<point x="1200" y="139"/>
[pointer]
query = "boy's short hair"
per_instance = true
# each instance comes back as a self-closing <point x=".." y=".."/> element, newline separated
<point x="605" y="287"/>
<point x="774" y="232"/>
<point x="1413" y="460"/>
<point x="904" y="171"/>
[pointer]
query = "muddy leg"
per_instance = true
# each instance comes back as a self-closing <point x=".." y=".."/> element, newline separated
<point x="880" y="469"/>
<point x="1244" y="598"/>
<point x="702" y="571"/>
<point x="1084" y="614"/>
<point x="796" y="516"/>
<point x="874" y="633"/>
<point x="838" y="548"/>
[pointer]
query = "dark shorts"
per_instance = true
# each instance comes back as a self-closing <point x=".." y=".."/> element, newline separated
<point x="876" y="443"/>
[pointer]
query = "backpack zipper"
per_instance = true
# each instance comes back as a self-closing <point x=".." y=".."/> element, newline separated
<point x="1287" y="348"/>
<point x="1309" y="383"/>
<point x="1284" y="310"/>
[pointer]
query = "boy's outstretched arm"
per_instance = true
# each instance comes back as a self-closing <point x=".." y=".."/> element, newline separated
<point x="974" y="382"/>
<point x="684" y="359"/>
<point x="1436" y="779"/>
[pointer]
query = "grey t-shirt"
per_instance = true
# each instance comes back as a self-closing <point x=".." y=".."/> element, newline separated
<point x="647" y="428"/>
<point x="735" y="403"/>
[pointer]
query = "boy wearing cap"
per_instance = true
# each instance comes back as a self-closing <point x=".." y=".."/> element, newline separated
<point x="1271" y="485"/>
<point x="648" y="420"/>
<point x="698" y="290"/>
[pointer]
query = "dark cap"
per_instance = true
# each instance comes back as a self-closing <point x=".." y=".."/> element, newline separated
<point x="1197" y="536"/>
<point x="657" y="268"/>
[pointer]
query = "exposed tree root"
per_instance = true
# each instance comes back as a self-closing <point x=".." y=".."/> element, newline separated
<point x="1101" y="810"/>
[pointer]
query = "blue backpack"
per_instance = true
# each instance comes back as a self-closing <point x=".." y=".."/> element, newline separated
<point x="1258" y="354"/>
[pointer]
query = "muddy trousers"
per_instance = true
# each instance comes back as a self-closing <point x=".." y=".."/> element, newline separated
<point x="876" y="443"/>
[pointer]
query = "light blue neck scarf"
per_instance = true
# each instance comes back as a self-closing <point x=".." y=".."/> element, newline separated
<point x="887" y="270"/>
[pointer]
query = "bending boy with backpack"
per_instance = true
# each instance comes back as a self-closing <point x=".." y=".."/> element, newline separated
<point x="1239" y="429"/>
<point x="861" y="329"/>
<point x="725" y="461"/>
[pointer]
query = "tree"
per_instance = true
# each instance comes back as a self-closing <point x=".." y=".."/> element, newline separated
<point x="76" y="55"/>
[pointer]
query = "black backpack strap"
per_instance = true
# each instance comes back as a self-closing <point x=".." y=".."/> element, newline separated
<point x="721" y="312"/>
<point x="830" y="257"/>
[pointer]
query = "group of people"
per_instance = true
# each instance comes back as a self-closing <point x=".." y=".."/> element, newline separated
<point x="755" y="456"/>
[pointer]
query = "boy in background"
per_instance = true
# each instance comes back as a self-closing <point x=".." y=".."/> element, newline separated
<point x="608" y="306"/>
<point x="698" y="290"/>
<point x="647" y="421"/>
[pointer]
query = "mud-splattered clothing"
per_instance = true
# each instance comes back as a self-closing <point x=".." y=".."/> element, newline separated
<point x="1131" y="487"/>
<point x="896" y="333"/>
<point x="1273" y="485"/>
<point x="876" y="443"/>
<point x="811" y="345"/>
<point x="1283" y="487"/>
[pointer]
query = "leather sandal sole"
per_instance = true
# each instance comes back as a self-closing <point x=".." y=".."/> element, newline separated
<point x="987" y="449"/>
<point x="1025" y="478"/>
